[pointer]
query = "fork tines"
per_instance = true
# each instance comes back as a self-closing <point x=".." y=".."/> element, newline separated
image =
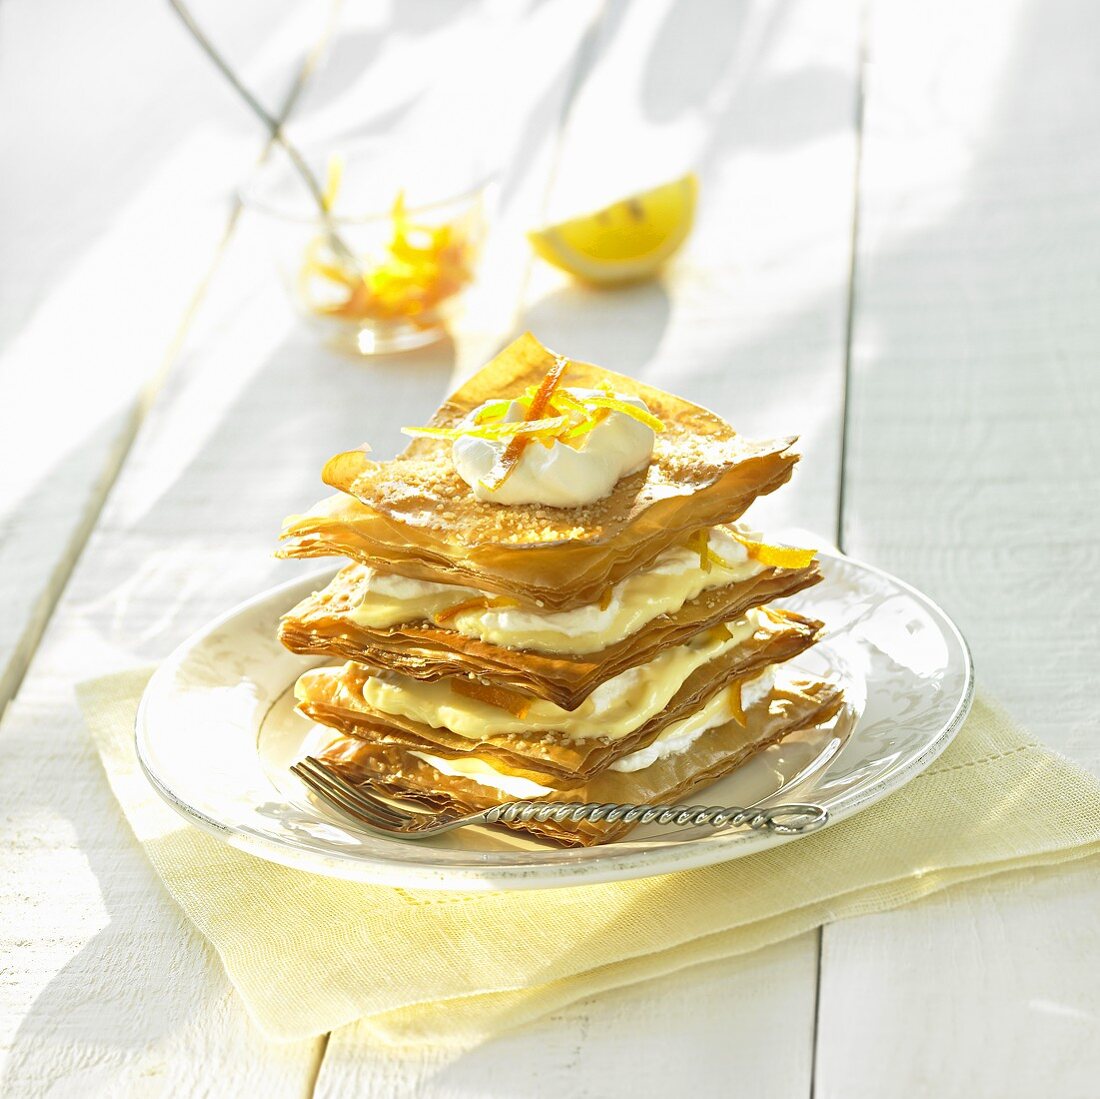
<point x="338" y="792"/>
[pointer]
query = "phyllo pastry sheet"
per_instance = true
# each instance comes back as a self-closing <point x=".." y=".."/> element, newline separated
<point x="326" y="624"/>
<point x="415" y="516"/>
<point x="394" y="769"/>
<point x="625" y="714"/>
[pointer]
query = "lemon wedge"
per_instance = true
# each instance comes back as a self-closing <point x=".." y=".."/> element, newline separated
<point x="625" y="241"/>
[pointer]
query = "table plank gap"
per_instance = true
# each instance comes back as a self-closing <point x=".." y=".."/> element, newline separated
<point x="850" y="305"/>
<point x="92" y="968"/>
<point x="23" y="632"/>
<point x="972" y="465"/>
<point x="25" y="645"/>
<point x="838" y="529"/>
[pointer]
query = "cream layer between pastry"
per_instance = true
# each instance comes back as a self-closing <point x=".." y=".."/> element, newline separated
<point x="675" y="577"/>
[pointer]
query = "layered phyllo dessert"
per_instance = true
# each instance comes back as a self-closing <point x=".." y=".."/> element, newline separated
<point x="550" y="596"/>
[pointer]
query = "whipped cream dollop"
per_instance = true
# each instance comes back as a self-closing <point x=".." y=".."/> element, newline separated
<point x="559" y="475"/>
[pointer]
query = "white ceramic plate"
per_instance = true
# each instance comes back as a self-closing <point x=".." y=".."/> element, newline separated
<point x="217" y="731"/>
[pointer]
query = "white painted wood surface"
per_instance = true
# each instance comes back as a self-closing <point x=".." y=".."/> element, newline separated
<point x="708" y="1030"/>
<point x="973" y="470"/>
<point x="121" y="150"/>
<point x="971" y="399"/>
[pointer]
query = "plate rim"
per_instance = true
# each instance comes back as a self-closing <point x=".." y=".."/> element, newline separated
<point x="619" y="865"/>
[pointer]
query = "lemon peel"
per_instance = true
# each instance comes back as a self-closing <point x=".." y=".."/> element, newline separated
<point x="497" y="430"/>
<point x="575" y="417"/>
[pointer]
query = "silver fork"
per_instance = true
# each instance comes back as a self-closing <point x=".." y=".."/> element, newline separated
<point x="385" y="818"/>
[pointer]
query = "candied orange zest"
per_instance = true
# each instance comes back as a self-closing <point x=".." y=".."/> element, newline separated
<point x="506" y="464"/>
<point x="408" y="277"/>
<point x="480" y="604"/>
<point x="736" y="708"/>
<point x="779" y="557"/>
<point x="699" y="543"/>
<point x="551" y="414"/>
<point x="547" y="387"/>
<point x="494" y="410"/>
<point x="605" y="599"/>
<point x="573" y="404"/>
<point x="456" y="609"/>
<point x="585" y="426"/>
<point x="635" y="413"/>
<point x="516" y="704"/>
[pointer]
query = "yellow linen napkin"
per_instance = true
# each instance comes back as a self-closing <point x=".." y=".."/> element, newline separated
<point x="309" y="954"/>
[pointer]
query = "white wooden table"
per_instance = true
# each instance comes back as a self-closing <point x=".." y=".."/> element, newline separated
<point x="897" y="258"/>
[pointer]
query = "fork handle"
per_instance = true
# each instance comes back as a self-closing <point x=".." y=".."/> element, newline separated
<point x="792" y="819"/>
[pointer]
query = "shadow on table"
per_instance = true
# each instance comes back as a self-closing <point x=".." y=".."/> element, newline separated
<point x="620" y="328"/>
<point x="259" y="454"/>
<point x="90" y="1026"/>
<point x="302" y="404"/>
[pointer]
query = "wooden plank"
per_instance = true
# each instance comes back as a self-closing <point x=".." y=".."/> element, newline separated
<point x="119" y="157"/>
<point x="751" y="322"/>
<point x="105" y="991"/>
<point x="973" y="472"/>
<point x="694" y="1028"/>
<point x="106" y="988"/>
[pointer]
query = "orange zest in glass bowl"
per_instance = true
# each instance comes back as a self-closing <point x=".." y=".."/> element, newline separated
<point x="416" y="270"/>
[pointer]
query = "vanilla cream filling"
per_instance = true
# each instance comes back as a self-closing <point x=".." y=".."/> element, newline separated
<point x="760" y="687"/>
<point x="680" y="735"/>
<point x="673" y="741"/>
<point x="613" y="710"/>
<point x="672" y="580"/>
<point x="484" y="773"/>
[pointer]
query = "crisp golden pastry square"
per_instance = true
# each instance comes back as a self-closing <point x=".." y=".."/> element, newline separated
<point x="323" y="625"/>
<point x="335" y="697"/>
<point x="415" y="516"/>
<point x="392" y="770"/>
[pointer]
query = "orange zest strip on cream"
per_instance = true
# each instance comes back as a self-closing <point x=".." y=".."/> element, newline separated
<point x="551" y="414"/>
<point x="539" y="404"/>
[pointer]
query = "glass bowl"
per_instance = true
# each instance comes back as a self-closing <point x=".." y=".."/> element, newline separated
<point x="385" y="269"/>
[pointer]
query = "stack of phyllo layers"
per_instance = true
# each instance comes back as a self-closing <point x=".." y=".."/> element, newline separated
<point x="616" y="650"/>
